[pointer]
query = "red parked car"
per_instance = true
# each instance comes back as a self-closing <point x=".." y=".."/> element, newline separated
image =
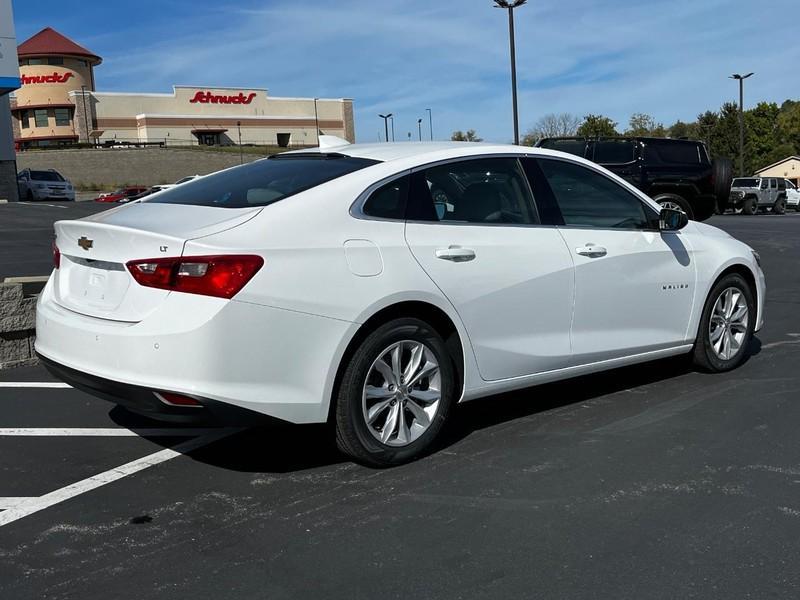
<point x="121" y="194"/>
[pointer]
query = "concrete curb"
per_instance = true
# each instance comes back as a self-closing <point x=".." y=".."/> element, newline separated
<point x="17" y="327"/>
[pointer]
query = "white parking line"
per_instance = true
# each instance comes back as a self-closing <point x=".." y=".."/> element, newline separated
<point x="14" y="501"/>
<point x="40" y="204"/>
<point x="105" y="431"/>
<point x="32" y="505"/>
<point x="34" y="384"/>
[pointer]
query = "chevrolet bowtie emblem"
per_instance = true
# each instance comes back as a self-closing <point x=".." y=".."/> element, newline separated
<point x="85" y="243"/>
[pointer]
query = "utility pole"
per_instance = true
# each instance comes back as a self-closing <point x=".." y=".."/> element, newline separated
<point x="510" y="5"/>
<point x="740" y="79"/>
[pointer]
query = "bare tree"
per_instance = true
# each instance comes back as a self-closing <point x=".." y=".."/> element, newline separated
<point x="469" y="136"/>
<point x="552" y="125"/>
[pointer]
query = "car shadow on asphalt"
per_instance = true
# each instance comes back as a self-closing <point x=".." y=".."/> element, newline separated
<point x="280" y="447"/>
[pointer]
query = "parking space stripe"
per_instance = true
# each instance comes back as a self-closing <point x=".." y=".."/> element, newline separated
<point x="105" y="431"/>
<point x="13" y="501"/>
<point x="34" y="384"/>
<point x="34" y="505"/>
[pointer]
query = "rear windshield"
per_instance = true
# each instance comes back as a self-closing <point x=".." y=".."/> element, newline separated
<point x="745" y="183"/>
<point x="46" y="176"/>
<point x="576" y="147"/>
<point x="262" y="182"/>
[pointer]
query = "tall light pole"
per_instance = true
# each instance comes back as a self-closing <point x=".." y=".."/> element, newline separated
<point x="741" y="79"/>
<point x="391" y="118"/>
<point x="85" y="115"/>
<point x="430" y="121"/>
<point x="419" y="126"/>
<point x="316" y="119"/>
<point x="510" y="5"/>
<point x="241" y="150"/>
<point x="386" y="124"/>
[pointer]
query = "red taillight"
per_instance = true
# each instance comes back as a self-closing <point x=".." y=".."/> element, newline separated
<point x="177" y="399"/>
<point x="56" y="256"/>
<point x="221" y="276"/>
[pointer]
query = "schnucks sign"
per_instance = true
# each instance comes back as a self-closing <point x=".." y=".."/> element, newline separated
<point x="209" y="98"/>
<point x="54" y="78"/>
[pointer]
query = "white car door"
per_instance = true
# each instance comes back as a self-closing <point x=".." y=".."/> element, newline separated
<point x="634" y="285"/>
<point x="474" y="229"/>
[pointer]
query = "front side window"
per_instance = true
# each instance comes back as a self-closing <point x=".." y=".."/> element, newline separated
<point x="40" y="117"/>
<point x="388" y="201"/>
<point x="262" y="182"/>
<point x="588" y="199"/>
<point x="62" y="116"/>
<point x="488" y="191"/>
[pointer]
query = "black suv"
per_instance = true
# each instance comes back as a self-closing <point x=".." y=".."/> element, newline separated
<point x="675" y="173"/>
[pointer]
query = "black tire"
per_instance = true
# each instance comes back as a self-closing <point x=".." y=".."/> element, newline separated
<point x="703" y="354"/>
<point x="779" y="207"/>
<point x="722" y="173"/>
<point x="353" y="434"/>
<point x="678" y="201"/>
<point x="749" y="207"/>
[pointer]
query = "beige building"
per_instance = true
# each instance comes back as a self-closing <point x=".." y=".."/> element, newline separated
<point x="58" y="105"/>
<point x="788" y="168"/>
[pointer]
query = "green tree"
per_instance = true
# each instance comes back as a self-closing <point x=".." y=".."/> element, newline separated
<point x="682" y="130"/>
<point x="704" y="128"/>
<point x="597" y="125"/>
<point x="725" y="136"/>
<point x="640" y="124"/>
<point x="789" y="124"/>
<point x="469" y="136"/>
<point x="761" y="135"/>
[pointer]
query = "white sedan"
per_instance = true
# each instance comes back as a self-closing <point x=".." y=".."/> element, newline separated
<point x="376" y="286"/>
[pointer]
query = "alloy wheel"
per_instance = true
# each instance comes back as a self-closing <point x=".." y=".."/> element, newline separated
<point x="671" y="205"/>
<point x="727" y="328"/>
<point x="402" y="393"/>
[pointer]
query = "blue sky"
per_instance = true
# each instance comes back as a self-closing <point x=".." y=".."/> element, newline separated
<point x="668" y="58"/>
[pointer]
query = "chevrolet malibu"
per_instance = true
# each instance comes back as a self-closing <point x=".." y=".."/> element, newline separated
<point x="376" y="286"/>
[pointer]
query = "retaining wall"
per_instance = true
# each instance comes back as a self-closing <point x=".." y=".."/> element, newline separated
<point x="103" y="168"/>
<point x="17" y="326"/>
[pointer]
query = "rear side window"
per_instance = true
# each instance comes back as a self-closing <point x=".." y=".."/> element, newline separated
<point x="614" y="151"/>
<point x="489" y="191"/>
<point x="588" y="199"/>
<point x="388" y="201"/>
<point x="669" y="153"/>
<point x="576" y="147"/>
<point x="261" y="182"/>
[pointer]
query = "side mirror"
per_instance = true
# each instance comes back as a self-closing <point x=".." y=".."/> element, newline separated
<point x="672" y="220"/>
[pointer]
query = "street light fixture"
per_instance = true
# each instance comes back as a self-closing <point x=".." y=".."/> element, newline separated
<point x="386" y="124"/>
<point x="510" y="5"/>
<point x="430" y="121"/>
<point x="419" y="126"/>
<point x="740" y="79"/>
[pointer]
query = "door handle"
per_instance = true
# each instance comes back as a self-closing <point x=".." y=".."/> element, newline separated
<point x="591" y="251"/>
<point x="455" y="254"/>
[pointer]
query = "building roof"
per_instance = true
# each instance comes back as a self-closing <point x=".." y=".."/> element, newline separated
<point x="49" y="42"/>
<point x="780" y="162"/>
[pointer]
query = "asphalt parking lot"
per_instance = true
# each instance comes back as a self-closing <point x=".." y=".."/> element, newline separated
<point x="653" y="481"/>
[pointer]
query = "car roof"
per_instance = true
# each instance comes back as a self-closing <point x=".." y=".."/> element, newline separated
<point x="424" y="151"/>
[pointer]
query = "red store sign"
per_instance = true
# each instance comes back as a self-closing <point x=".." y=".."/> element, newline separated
<point x="209" y="98"/>
<point x="54" y="78"/>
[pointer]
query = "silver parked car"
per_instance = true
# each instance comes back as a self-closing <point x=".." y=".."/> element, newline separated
<point x="44" y="185"/>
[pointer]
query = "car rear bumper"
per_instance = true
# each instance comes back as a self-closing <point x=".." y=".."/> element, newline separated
<point x="270" y="361"/>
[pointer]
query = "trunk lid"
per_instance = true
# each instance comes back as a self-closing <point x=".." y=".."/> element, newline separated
<point x="93" y="280"/>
